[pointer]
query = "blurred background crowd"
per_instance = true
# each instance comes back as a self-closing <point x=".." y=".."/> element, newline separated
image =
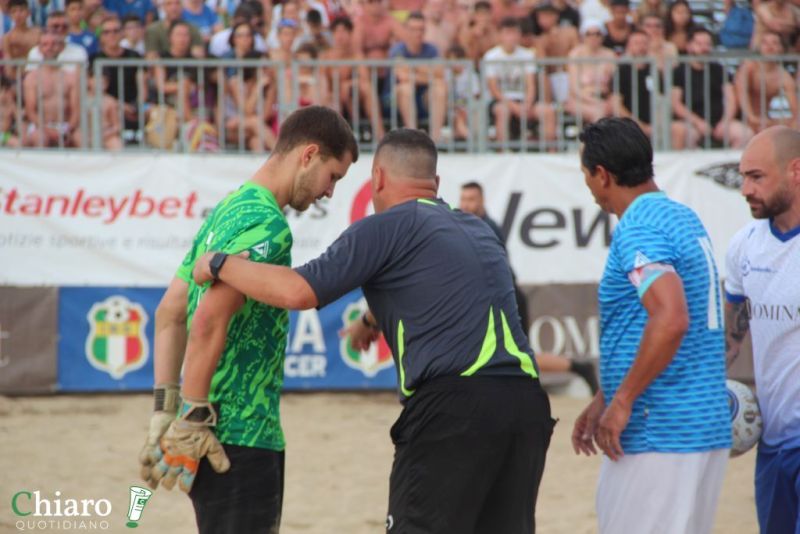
<point x="212" y="75"/>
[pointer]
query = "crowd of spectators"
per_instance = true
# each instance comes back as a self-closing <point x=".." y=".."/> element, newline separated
<point x="607" y="46"/>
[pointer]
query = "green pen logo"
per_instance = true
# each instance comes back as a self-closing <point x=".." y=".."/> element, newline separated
<point x="139" y="497"/>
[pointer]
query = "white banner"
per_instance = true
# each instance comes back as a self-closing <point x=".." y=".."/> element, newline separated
<point x="127" y="220"/>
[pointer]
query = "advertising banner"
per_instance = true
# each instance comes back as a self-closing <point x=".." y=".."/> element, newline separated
<point x="106" y="344"/>
<point x="127" y="220"/>
<point x="28" y="330"/>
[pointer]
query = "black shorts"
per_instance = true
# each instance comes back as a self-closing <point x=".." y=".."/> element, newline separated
<point x="246" y="499"/>
<point x="469" y="456"/>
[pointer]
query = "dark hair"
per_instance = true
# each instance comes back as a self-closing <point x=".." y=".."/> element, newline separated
<point x="233" y="31"/>
<point x="509" y="22"/>
<point x="473" y="185"/>
<point x="417" y="148"/>
<point x="314" y="17"/>
<point x="131" y="17"/>
<point x="18" y="3"/>
<point x="55" y="14"/>
<point x="416" y="15"/>
<point x="697" y="30"/>
<point x="176" y="23"/>
<point x="457" y="51"/>
<point x="621" y="147"/>
<point x="669" y="26"/>
<point x="243" y="11"/>
<point x="482" y="5"/>
<point x="342" y="21"/>
<point x="308" y="48"/>
<point x="319" y="125"/>
<point x="625" y="3"/>
<point x="256" y="8"/>
<point x="780" y="37"/>
<point x="68" y="2"/>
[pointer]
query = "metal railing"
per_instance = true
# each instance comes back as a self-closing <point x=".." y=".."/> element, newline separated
<point x="238" y="105"/>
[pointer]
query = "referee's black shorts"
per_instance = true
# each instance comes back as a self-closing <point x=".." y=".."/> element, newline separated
<point x="469" y="456"/>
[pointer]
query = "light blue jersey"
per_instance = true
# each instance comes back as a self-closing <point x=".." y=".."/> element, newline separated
<point x="685" y="409"/>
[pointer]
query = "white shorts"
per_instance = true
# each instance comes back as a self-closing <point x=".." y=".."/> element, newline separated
<point x="664" y="493"/>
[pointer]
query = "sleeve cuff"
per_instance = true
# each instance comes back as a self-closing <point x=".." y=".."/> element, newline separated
<point x="734" y="299"/>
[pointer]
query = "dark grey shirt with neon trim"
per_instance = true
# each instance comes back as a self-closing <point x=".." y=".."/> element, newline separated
<point x="439" y="284"/>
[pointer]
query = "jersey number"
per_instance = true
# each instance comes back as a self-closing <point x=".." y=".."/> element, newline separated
<point x="714" y="291"/>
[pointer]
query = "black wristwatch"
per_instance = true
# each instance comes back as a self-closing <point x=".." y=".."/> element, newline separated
<point x="367" y="323"/>
<point x="216" y="263"/>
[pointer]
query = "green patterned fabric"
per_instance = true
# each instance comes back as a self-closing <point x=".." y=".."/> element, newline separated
<point x="247" y="383"/>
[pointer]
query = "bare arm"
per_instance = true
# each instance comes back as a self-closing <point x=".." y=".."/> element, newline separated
<point x="207" y="338"/>
<point x="494" y="89"/>
<point x="741" y="83"/>
<point x="29" y="93"/>
<point x="731" y="103"/>
<point x="275" y="285"/>
<point x="170" y="333"/>
<point x="737" y="324"/>
<point x="530" y="90"/>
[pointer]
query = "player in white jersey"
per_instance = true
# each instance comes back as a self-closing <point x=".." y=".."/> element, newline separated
<point x="763" y="296"/>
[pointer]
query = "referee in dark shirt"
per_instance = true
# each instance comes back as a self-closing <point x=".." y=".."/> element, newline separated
<point x="471" y="441"/>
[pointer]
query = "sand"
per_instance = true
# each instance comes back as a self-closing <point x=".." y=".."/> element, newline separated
<point x="338" y="461"/>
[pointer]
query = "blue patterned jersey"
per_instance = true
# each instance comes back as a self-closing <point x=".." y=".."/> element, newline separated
<point x="685" y="408"/>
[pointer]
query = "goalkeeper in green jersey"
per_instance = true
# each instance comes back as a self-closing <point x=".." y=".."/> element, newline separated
<point x="218" y="435"/>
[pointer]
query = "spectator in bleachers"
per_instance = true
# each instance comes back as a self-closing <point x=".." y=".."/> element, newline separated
<point x="636" y="90"/>
<point x="312" y="87"/>
<point x="156" y="35"/>
<point x="618" y="28"/>
<point x="659" y="47"/>
<point x="5" y="20"/>
<point x="511" y="77"/>
<point x="76" y="28"/>
<point x="318" y="34"/>
<point x="40" y="11"/>
<point x="244" y="88"/>
<point x="590" y="82"/>
<point x="657" y="8"/>
<point x="765" y="81"/>
<point x="554" y="40"/>
<point x="464" y="84"/>
<point x="288" y="29"/>
<point x="291" y="14"/>
<point x="143" y="9"/>
<point x="692" y="103"/>
<point x="296" y="10"/>
<point x="344" y="49"/>
<point x="9" y="114"/>
<point x="202" y="17"/>
<point x="679" y="24"/>
<point x="568" y="15"/>
<point x="94" y="13"/>
<point x="421" y="92"/>
<point x="133" y="33"/>
<point x="177" y="83"/>
<point x="50" y="96"/>
<point x="221" y="42"/>
<point x="108" y="121"/>
<point x="57" y="25"/>
<point x="375" y="30"/>
<point x="779" y="16"/>
<point x="132" y="78"/>
<point x="479" y="34"/>
<point x="21" y="39"/>
<point x="439" y="30"/>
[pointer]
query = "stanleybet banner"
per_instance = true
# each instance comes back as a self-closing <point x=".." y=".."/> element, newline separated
<point x="106" y="344"/>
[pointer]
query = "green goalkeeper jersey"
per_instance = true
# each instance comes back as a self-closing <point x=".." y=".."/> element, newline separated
<point x="247" y="383"/>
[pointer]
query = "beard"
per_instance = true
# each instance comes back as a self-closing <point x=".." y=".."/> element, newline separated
<point x="303" y="195"/>
<point x="770" y="208"/>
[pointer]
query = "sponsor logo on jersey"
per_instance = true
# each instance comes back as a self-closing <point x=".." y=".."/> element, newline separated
<point x="117" y="343"/>
<point x="377" y="358"/>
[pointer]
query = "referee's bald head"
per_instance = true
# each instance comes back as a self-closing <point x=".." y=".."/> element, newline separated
<point x="407" y="153"/>
<point x="785" y="142"/>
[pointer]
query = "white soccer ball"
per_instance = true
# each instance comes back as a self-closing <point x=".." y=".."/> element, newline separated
<point x="745" y="417"/>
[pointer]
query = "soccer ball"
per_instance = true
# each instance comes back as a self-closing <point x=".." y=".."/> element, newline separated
<point x="745" y="417"/>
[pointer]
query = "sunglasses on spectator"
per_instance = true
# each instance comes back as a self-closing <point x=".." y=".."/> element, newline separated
<point x="58" y="26"/>
<point x="107" y="31"/>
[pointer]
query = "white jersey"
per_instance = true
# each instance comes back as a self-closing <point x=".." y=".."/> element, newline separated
<point x="511" y="76"/>
<point x="763" y="266"/>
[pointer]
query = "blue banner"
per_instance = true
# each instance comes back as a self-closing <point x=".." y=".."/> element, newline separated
<point x="106" y="344"/>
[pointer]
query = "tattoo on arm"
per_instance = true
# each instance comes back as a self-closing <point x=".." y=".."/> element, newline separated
<point x="737" y="324"/>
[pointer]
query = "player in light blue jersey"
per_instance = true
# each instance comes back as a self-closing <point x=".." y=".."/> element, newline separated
<point x="661" y="415"/>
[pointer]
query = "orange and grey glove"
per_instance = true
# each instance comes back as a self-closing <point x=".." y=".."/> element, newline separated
<point x="188" y="439"/>
<point x="167" y="400"/>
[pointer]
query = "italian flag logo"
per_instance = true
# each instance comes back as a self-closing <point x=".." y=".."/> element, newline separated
<point x="377" y="358"/>
<point x="117" y="343"/>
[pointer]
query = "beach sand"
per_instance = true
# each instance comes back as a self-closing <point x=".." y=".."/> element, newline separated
<point x="338" y="461"/>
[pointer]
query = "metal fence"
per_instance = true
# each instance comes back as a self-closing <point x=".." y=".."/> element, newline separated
<point x="238" y="105"/>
